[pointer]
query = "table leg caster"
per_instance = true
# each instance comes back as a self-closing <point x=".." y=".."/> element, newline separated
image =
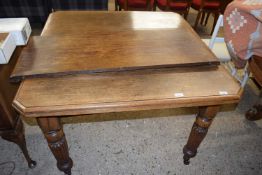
<point x="188" y="154"/>
<point x="186" y="160"/>
<point x="32" y="164"/>
<point x="67" y="172"/>
<point x="65" y="166"/>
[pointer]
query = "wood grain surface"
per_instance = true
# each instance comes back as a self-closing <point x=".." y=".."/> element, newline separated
<point x="63" y="23"/>
<point x="126" y="91"/>
<point x="99" y="48"/>
<point x="3" y="37"/>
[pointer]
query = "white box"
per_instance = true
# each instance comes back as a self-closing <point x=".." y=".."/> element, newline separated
<point x="7" y="47"/>
<point x="19" y="28"/>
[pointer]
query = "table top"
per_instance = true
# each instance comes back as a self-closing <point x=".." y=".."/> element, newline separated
<point x="126" y="91"/>
<point x="84" y="42"/>
<point x="154" y="88"/>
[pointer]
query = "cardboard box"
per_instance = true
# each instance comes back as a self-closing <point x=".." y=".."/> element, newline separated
<point x="18" y="27"/>
<point x="7" y="47"/>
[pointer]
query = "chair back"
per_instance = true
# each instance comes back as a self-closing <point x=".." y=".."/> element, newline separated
<point x="148" y="5"/>
<point x="203" y="2"/>
<point x="179" y="6"/>
<point x="177" y="1"/>
<point x="79" y="5"/>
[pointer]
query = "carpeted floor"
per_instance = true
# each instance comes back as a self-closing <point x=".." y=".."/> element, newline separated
<point x="147" y="143"/>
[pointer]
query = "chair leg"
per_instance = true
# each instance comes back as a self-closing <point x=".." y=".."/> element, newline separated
<point x="208" y="14"/>
<point x="186" y="14"/>
<point x="197" y="19"/>
<point x="154" y="6"/>
<point x="116" y="6"/>
<point x="202" y="18"/>
<point x="148" y="6"/>
<point x="215" y="21"/>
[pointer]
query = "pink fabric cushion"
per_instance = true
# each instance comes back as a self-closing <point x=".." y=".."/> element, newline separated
<point x="135" y="3"/>
<point x="208" y="4"/>
<point x="173" y="5"/>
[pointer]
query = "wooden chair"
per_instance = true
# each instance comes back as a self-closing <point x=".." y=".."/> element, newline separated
<point x="180" y="6"/>
<point x="141" y="5"/>
<point x="206" y="7"/>
<point x="255" y="67"/>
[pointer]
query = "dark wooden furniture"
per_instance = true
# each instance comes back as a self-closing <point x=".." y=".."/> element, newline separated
<point x="11" y="126"/>
<point x="180" y="6"/>
<point x="206" y="7"/>
<point x="224" y="4"/>
<point x="206" y="85"/>
<point x="255" y="67"/>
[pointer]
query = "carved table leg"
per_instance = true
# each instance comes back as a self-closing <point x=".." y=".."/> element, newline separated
<point x="199" y="130"/>
<point x="55" y="137"/>
<point x="18" y="136"/>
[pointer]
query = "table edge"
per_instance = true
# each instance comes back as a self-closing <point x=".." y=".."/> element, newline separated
<point x="70" y="110"/>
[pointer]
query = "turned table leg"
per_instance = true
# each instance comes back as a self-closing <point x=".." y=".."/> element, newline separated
<point x="18" y="136"/>
<point x="54" y="134"/>
<point x="199" y="130"/>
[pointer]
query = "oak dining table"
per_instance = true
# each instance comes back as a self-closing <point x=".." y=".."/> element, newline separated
<point x="100" y="62"/>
